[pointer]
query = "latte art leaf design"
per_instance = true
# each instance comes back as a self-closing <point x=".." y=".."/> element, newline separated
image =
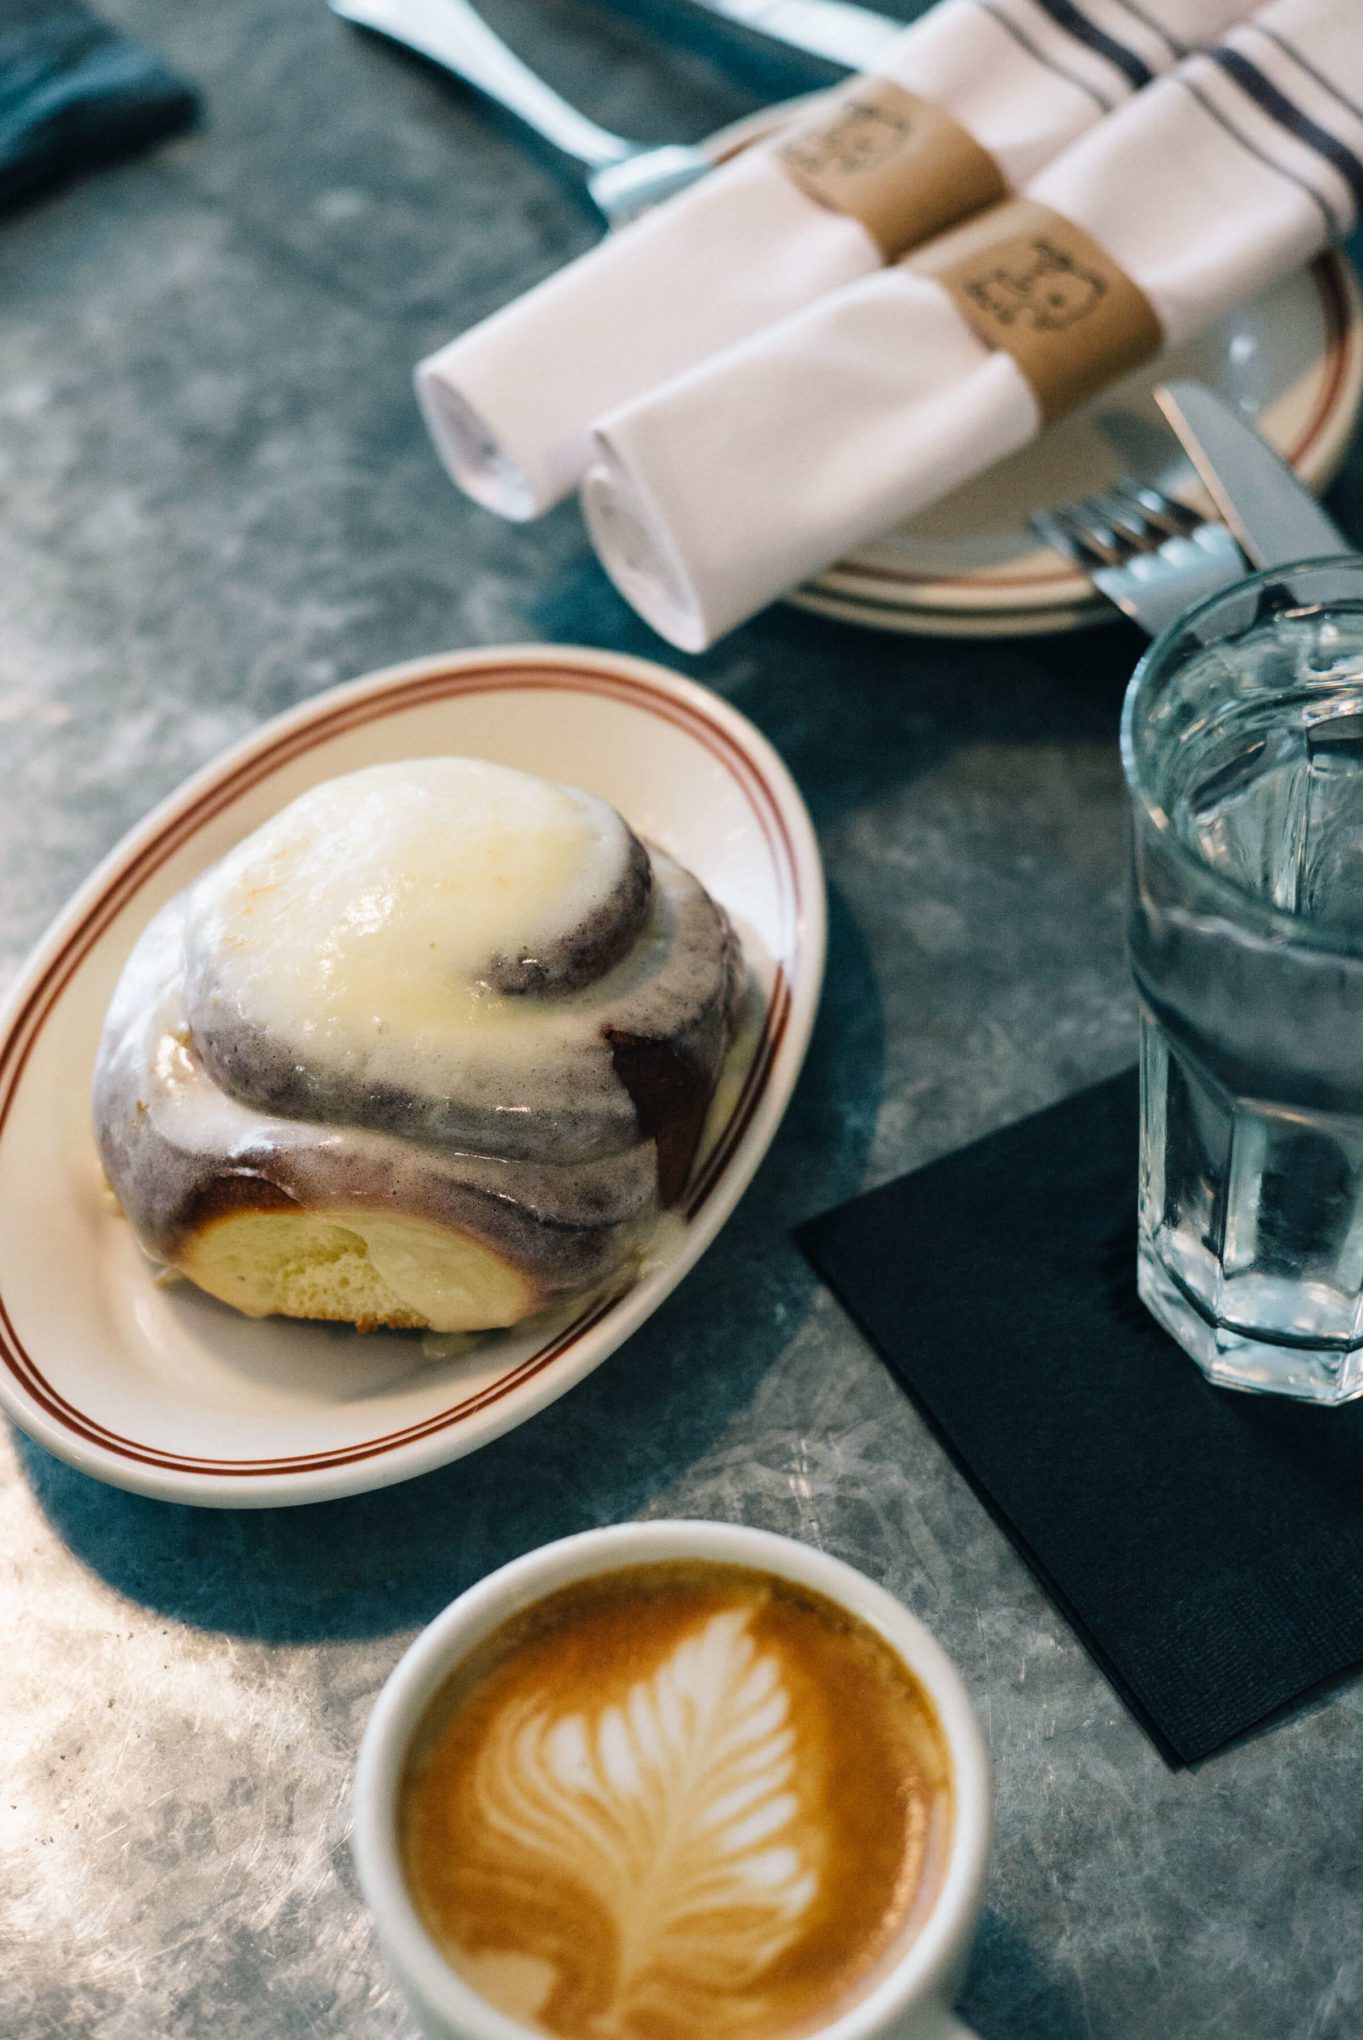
<point x="664" y="1830"/>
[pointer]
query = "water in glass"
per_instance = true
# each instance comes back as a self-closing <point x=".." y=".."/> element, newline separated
<point x="1244" y="746"/>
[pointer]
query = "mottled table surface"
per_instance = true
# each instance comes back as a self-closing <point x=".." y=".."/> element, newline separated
<point x="218" y="499"/>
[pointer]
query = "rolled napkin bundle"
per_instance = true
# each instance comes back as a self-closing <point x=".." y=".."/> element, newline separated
<point x="971" y="101"/>
<point x="728" y="486"/>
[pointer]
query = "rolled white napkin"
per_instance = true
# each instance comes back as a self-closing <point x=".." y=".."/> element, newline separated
<point x="719" y="491"/>
<point x="509" y="403"/>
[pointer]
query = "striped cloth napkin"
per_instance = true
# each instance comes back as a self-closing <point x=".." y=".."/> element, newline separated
<point x="717" y="492"/>
<point x="509" y="403"/>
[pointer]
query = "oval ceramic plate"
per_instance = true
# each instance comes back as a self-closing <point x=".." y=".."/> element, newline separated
<point x="161" y="1389"/>
<point x="1291" y="360"/>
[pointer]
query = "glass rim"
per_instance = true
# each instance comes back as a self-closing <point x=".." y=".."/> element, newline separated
<point x="1153" y="666"/>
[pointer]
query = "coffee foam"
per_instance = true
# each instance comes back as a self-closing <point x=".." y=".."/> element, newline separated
<point x="680" y="1801"/>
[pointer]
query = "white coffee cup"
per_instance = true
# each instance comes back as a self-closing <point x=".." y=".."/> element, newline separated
<point x="912" y="2001"/>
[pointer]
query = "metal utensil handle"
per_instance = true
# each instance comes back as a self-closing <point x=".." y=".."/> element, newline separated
<point x="1268" y="507"/>
<point x="453" y="34"/>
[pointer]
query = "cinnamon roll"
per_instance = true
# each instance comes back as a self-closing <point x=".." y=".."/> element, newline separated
<point x="432" y="1048"/>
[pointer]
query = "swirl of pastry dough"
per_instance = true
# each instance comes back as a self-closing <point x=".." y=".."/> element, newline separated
<point x="432" y="1047"/>
<point x="454" y="952"/>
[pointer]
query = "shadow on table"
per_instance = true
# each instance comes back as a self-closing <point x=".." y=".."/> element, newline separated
<point x="1012" y="1988"/>
<point x="770" y="69"/>
<point x="391" y="1559"/>
<point x="857" y="712"/>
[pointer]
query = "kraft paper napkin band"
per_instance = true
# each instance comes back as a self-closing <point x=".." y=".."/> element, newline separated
<point x="897" y="163"/>
<point x="1032" y="283"/>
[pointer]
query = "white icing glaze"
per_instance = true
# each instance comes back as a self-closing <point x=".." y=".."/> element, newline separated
<point x="376" y="903"/>
<point x="344" y="960"/>
<point x="147" y="1049"/>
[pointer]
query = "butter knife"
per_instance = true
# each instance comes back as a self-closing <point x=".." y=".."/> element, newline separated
<point x="1273" y="514"/>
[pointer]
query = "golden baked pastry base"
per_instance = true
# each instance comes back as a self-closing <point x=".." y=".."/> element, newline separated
<point x="357" y="1267"/>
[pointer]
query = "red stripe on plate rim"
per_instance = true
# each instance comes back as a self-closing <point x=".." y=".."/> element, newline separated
<point x="349" y="714"/>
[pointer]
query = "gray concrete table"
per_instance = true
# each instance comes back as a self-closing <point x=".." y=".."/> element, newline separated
<point x="218" y="499"/>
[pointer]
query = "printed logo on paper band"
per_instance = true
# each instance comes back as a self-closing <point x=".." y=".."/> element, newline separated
<point x="897" y="163"/>
<point x="1032" y="283"/>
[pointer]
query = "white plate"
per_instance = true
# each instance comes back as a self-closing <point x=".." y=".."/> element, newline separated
<point x="163" y="1390"/>
<point x="1291" y="360"/>
<point x="908" y="621"/>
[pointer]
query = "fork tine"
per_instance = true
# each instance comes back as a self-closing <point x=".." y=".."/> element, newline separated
<point x="1171" y="518"/>
<point x="1084" y="532"/>
<point x="1055" y="530"/>
<point x="1126" y="518"/>
<point x="1149" y="555"/>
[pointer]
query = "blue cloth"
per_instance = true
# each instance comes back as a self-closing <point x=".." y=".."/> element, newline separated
<point x="75" y="93"/>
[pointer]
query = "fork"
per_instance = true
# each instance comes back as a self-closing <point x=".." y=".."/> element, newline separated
<point x="1152" y="557"/>
<point x="623" y="178"/>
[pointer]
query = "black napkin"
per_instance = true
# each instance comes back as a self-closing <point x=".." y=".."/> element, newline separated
<point x="74" y="93"/>
<point x="1206" y="1545"/>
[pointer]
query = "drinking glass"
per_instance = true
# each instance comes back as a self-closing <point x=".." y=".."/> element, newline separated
<point x="1242" y="742"/>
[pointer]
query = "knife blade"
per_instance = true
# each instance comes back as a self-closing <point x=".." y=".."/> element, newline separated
<point x="854" y="37"/>
<point x="1273" y="514"/>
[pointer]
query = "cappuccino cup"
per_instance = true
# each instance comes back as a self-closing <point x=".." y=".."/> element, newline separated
<point x="674" y="1778"/>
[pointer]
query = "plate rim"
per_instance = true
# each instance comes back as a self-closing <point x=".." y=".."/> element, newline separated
<point x="1316" y="457"/>
<point x="906" y="619"/>
<point x="43" y="981"/>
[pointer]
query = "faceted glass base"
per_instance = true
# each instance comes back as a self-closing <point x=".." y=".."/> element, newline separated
<point x="1236" y="1359"/>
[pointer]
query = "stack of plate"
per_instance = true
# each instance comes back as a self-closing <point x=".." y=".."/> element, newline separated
<point x="1291" y="361"/>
